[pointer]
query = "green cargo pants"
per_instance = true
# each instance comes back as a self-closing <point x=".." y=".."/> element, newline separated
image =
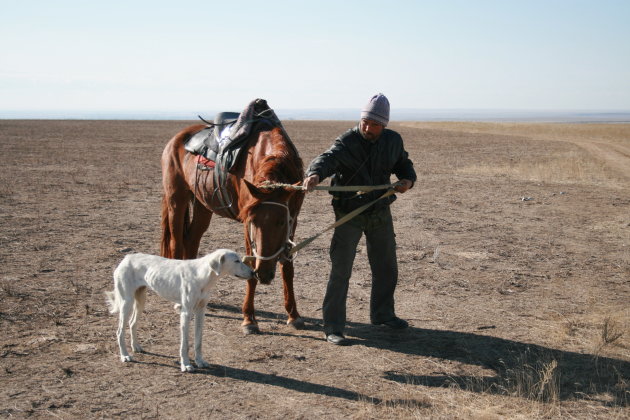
<point x="381" y="249"/>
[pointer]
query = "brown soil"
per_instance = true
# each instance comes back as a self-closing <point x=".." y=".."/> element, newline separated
<point x="516" y="284"/>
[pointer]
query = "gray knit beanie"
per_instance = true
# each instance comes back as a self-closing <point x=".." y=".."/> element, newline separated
<point x="377" y="109"/>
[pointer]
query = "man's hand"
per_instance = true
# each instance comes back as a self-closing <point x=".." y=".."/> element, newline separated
<point x="403" y="185"/>
<point x="310" y="182"/>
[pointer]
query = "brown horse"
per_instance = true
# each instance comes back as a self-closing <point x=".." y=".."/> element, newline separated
<point x="269" y="216"/>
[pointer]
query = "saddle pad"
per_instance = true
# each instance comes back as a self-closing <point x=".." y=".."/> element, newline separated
<point x="202" y="160"/>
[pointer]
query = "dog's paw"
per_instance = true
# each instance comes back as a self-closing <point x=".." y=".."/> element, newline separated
<point x="126" y="358"/>
<point x="202" y="364"/>
<point x="137" y="348"/>
<point x="187" y="368"/>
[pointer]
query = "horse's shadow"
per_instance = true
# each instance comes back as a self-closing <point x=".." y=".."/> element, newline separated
<point x="522" y="369"/>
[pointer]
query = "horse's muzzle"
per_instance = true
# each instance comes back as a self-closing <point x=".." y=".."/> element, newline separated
<point x="265" y="276"/>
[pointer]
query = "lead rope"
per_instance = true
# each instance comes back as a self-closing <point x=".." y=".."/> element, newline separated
<point x="295" y="248"/>
<point x="339" y="222"/>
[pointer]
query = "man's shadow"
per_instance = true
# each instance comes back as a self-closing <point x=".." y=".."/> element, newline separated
<point x="522" y="369"/>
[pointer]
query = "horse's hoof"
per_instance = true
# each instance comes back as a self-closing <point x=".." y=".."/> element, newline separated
<point x="250" y="329"/>
<point x="297" y="323"/>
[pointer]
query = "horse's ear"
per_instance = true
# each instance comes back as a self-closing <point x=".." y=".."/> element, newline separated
<point x="254" y="190"/>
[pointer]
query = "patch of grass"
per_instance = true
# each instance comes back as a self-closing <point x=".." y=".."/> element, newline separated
<point x="612" y="331"/>
<point x="570" y="167"/>
<point x="8" y="289"/>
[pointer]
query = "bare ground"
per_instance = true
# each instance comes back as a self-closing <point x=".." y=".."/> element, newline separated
<point x="514" y="257"/>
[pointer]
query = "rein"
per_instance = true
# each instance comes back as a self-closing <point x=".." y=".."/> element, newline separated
<point x="292" y="247"/>
<point x="360" y="189"/>
<point x="339" y="222"/>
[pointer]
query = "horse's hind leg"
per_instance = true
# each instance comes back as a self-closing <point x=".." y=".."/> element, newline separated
<point x="199" y="224"/>
<point x="295" y="320"/>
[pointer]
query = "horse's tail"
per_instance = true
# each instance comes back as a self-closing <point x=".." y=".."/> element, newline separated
<point x="172" y="177"/>
<point x="165" y="244"/>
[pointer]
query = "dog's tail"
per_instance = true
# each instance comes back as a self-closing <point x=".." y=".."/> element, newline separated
<point x="113" y="298"/>
<point x="112" y="301"/>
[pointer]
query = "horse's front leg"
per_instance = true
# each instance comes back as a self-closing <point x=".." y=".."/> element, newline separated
<point x="295" y="320"/>
<point x="249" y="325"/>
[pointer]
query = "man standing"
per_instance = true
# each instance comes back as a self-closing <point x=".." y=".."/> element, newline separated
<point x="367" y="154"/>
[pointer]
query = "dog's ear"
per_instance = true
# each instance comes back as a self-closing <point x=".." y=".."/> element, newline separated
<point x="216" y="263"/>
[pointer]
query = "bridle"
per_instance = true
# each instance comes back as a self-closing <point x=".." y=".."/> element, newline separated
<point x="288" y="243"/>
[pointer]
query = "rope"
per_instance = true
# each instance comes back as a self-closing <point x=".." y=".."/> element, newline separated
<point x="339" y="222"/>
<point x="360" y="189"/>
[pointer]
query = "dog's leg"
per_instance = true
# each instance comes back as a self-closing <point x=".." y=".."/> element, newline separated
<point x="138" y="308"/>
<point x="199" y="319"/>
<point x="125" y="310"/>
<point x="184" y="317"/>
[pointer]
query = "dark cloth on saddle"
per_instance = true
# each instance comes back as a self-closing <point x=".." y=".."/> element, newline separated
<point x="225" y="150"/>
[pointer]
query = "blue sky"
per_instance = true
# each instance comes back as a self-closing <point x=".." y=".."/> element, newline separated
<point x="192" y="56"/>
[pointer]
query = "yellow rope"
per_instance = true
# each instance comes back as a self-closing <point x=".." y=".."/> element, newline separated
<point x="360" y="189"/>
<point x="339" y="222"/>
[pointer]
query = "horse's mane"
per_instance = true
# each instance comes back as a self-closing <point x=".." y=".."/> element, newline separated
<point x="281" y="165"/>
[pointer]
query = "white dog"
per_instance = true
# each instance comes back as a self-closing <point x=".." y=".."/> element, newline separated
<point x="186" y="282"/>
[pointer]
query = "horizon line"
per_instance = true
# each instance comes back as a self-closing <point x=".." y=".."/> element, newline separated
<point x="342" y="114"/>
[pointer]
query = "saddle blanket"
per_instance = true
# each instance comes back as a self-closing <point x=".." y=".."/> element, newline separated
<point x="202" y="160"/>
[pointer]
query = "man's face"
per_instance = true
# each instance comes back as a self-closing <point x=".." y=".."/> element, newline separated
<point x="370" y="129"/>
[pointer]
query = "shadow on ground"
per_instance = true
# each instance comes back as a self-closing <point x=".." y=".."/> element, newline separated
<point x="526" y="370"/>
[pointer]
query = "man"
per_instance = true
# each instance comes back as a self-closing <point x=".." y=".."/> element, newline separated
<point x="367" y="154"/>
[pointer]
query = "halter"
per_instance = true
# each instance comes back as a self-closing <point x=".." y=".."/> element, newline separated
<point x="287" y="244"/>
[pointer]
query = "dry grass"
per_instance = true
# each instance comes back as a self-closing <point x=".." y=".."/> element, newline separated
<point x="605" y="133"/>
<point x="602" y="155"/>
<point x="568" y="168"/>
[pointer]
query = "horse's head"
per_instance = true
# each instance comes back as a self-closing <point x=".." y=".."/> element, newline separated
<point x="269" y="226"/>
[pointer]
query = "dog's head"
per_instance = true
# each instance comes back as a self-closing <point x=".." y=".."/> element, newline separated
<point x="227" y="262"/>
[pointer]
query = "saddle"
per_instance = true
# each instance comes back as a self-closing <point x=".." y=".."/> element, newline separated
<point x="208" y="141"/>
<point x="220" y="142"/>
